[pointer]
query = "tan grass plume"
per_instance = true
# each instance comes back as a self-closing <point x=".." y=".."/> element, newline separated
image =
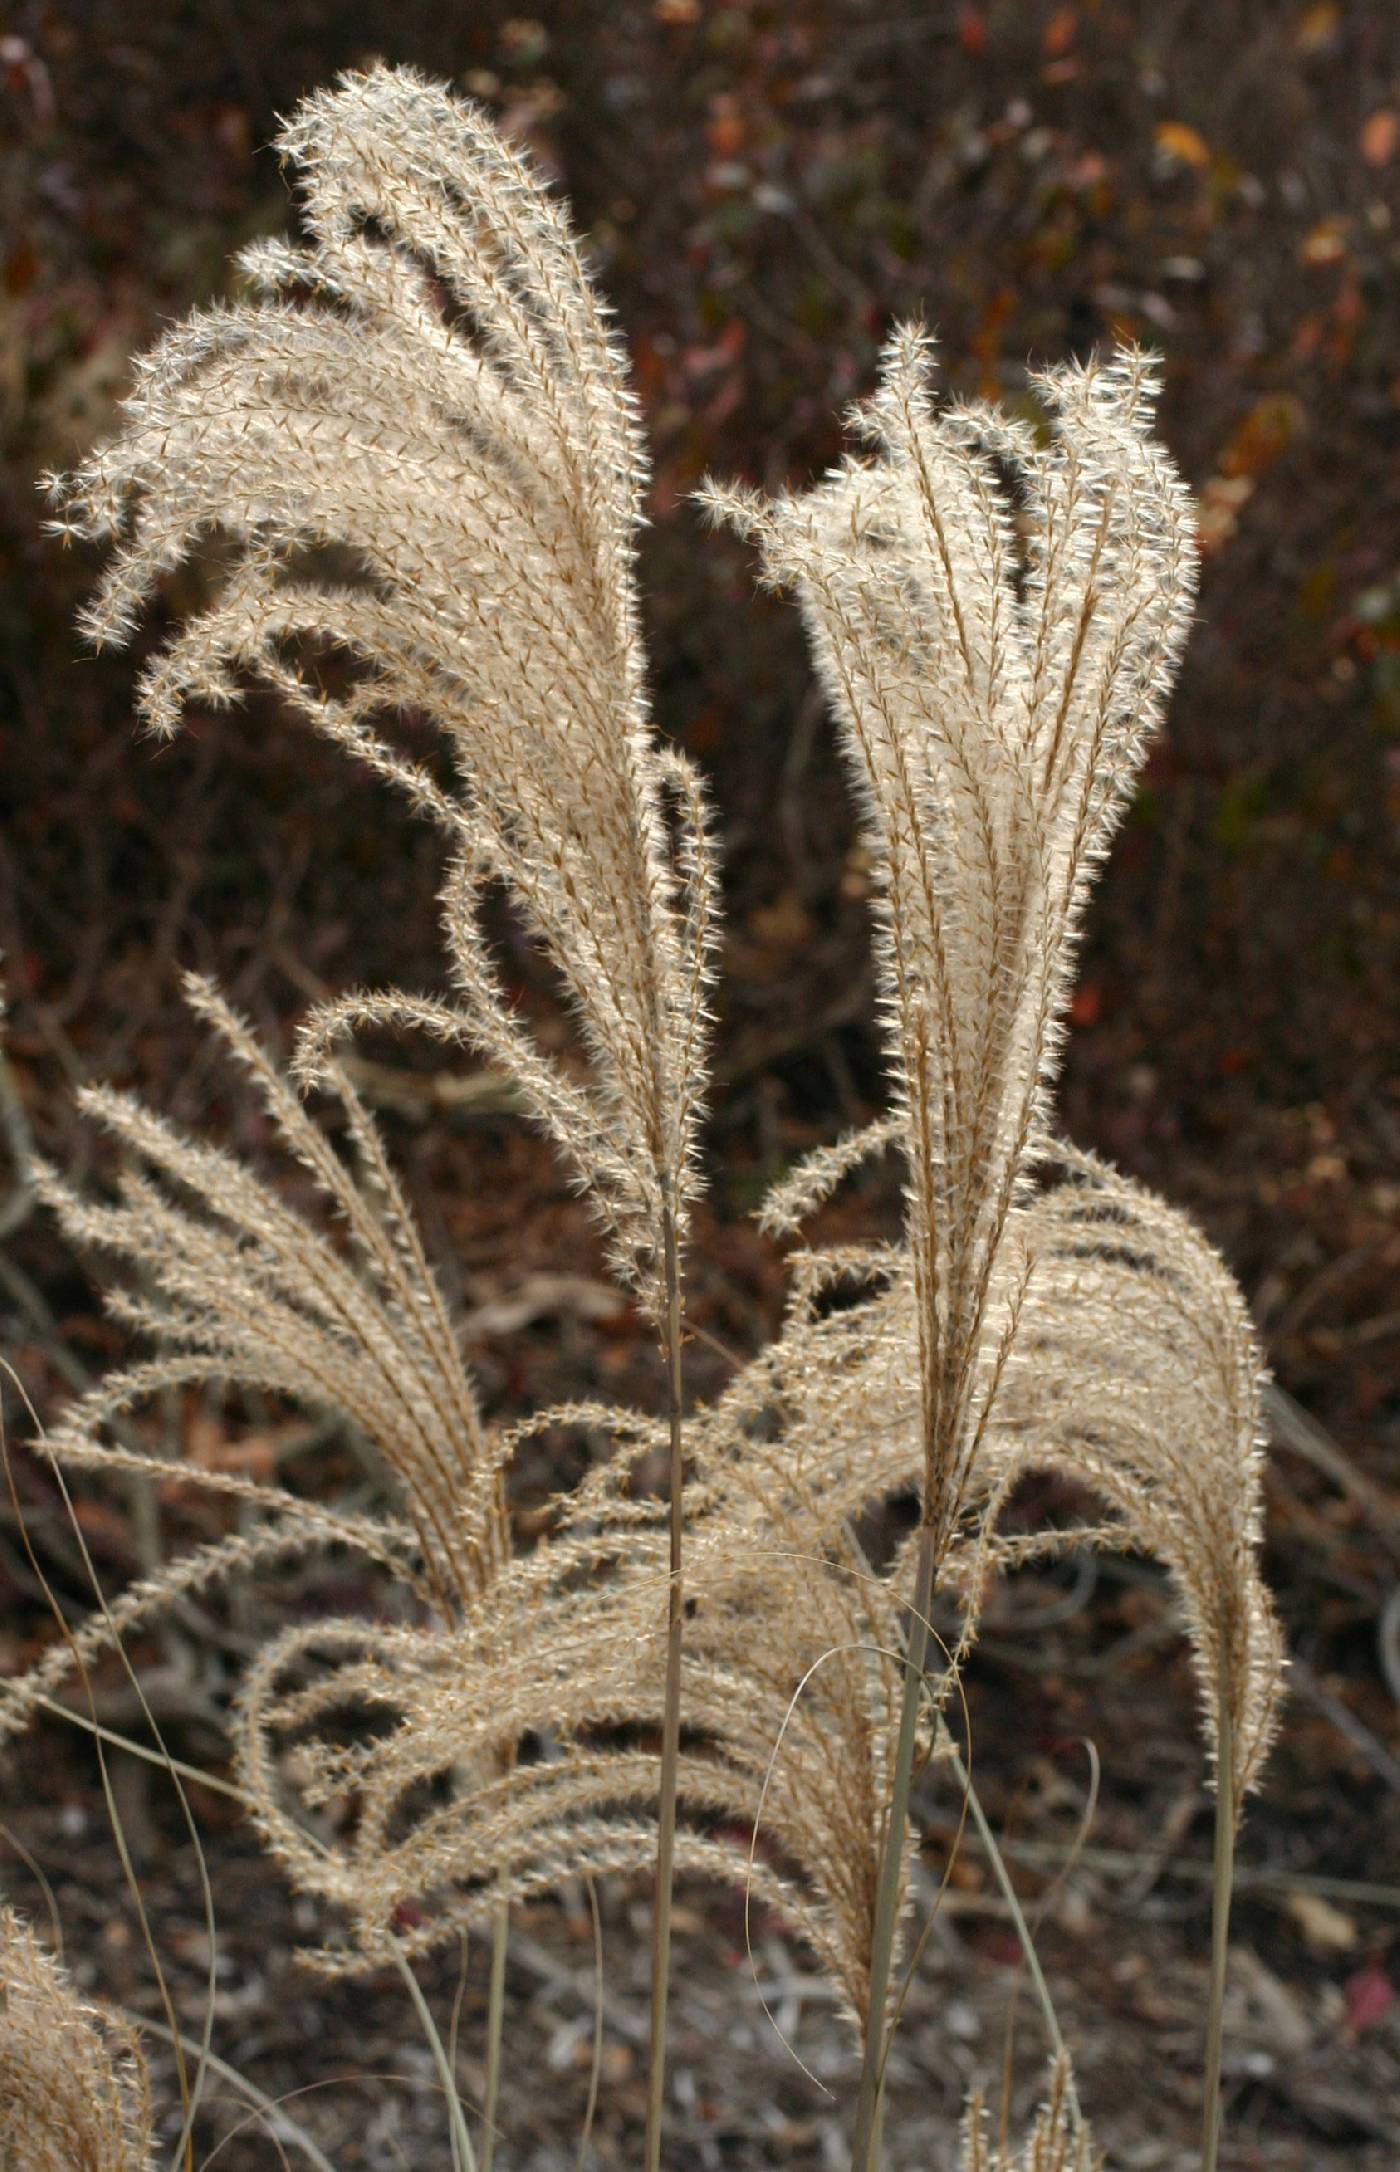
<point x="1054" y="2143"/>
<point x="74" y="2094"/>
<point x="996" y="619"/>
<point x="419" y="452"/>
<point x="996" y="622"/>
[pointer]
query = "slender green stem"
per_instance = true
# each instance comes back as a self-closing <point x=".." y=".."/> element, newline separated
<point x="595" y="2069"/>
<point x="495" y="2023"/>
<point x="1023" y="1930"/>
<point x="877" y="2132"/>
<point x="865" y="2151"/>
<point x="671" y="1719"/>
<point x="463" y="2156"/>
<point x="1219" y="1931"/>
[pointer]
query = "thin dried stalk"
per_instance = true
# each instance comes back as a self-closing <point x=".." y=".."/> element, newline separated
<point x="495" y="2028"/>
<point x="671" y="1713"/>
<point x="872" y="2074"/>
<point x="1222" y="1887"/>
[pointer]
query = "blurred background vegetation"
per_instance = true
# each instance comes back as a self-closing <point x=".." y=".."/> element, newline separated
<point x="763" y="188"/>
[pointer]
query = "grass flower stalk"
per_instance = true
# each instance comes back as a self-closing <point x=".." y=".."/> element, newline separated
<point x="671" y="1714"/>
<point x="865" y="2147"/>
<point x="1222" y="1889"/>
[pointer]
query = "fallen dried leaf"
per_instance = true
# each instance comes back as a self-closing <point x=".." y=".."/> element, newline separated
<point x="1059" y="31"/>
<point x="1324" y="1927"/>
<point x="972" y="30"/>
<point x="1180" y="141"/>
<point x="1317" y="26"/>
<point x="1369" y="1994"/>
<point x="1325" y="243"/>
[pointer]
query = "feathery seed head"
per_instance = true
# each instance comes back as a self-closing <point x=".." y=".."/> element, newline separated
<point x="1117" y="1351"/>
<point x="1052" y="2145"/>
<point x="239" y="1287"/>
<point x="74" y="2095"/>
<point x="419" y="447"/>
<point x="997" y="655"/>
<point x="512" y="1749"/>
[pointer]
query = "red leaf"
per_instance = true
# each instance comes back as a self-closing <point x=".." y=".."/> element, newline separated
<point x="1059" y="31"/>
<point x="1369" y="1994"/>
<point x="972" y="30"/>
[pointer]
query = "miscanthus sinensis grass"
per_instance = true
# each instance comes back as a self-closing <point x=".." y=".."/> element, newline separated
<point x="418" y="448"/>
<point x="453" y="504"/>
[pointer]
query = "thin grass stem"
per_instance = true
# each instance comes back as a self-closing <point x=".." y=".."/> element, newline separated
<point x="1002" y="1875"/>
<point x="877" y="2132"/>
<point x="671" y="1720"/>
<point x="595" y="2069"/>
<point x="865" y="2150"/>
<point x="463" y="2156"/>
<point x="1221" y="1890"/>
<point x="495" y="2024"/>
<point x="280" y="2122"/>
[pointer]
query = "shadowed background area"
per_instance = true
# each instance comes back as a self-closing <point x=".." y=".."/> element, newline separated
<point x="763" y="190"/>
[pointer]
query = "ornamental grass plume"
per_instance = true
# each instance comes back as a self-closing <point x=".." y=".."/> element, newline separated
<point x="511" y="1754"/>
<point x="1130" y="1368"/>
<point x="1055" y="2143"/>
<point x="997" y="658"/>
<point x="236" y="1287"/>
<point x="74" y="2093"/>
<point x="418" y="451"/>
<point x="996" y="621"/>
<point x="418" y="448"/>
<point x="1137" y="1374"/>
